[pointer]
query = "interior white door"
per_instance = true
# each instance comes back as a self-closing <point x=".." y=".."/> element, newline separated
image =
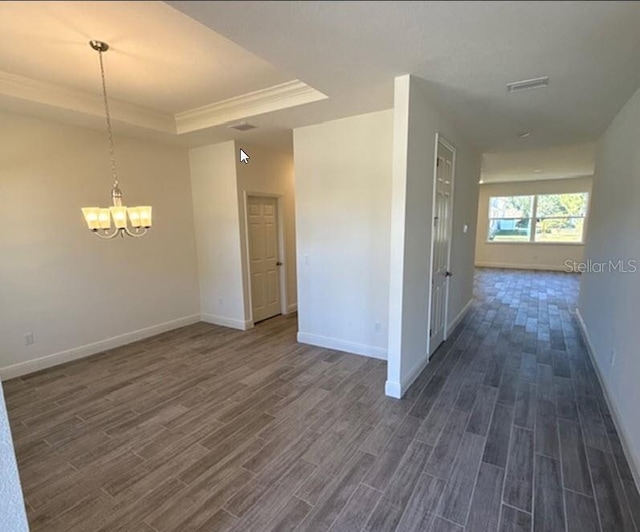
<point x="262" y="218"/>
<point x="442" y="222"/>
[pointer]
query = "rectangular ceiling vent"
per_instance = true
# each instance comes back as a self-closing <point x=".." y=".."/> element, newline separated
<point x="242" y="126"/>
<point x="527" y="84"/>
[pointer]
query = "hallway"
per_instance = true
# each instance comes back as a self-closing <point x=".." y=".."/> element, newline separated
<point x="207" y="428"/>
<point x="551" y="428"/>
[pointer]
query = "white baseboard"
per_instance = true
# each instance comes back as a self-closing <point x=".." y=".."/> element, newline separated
<point x="292" y="308"/>
<point x="233" y="323"/>
<point x="342" y="345"/>
<point x="543" y="267"/>
<point x="398" y="389"/>
<point x="413" y="375"/>
<point x="455" y="321"/>
<point x="31" y="366"/>
<point x="634" y="464"/>
<point x="393" y="389"/>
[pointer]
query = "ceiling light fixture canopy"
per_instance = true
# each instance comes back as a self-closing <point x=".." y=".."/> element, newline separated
<point x="131" y="221"/>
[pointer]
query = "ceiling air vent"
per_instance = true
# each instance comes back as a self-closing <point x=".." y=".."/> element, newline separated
<point x="242" y="126"/>
<point x="526" y="84"/>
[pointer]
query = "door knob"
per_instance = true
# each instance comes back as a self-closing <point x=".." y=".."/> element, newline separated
<point x="278" y="263"/>
<point x="448" y="274"/>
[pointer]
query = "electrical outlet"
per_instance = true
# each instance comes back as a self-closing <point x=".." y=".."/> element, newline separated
<point x="377" y="326"/>
<point x="29" y="339"/>
<point x="613" y="357"/>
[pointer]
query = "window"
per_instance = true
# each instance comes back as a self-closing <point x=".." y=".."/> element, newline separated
<point x="550" y="218"/>
<point x="510" y="218"/>
<point x="560" y="217"/>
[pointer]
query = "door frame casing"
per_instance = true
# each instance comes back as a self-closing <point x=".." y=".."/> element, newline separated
<point x="282" y="251"/>
<point x="440" y="139"/>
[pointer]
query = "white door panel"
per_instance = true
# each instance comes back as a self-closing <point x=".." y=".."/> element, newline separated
<point x="442" y="223"/>
<point x="263" y="257"/>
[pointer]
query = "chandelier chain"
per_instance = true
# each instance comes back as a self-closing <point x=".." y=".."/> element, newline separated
<point x="108" y="118"/>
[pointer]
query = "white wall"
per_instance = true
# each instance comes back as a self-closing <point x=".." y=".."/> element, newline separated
<point x="610" y="302"/>
<point x="77" y="294"/>
<point x="523" y="255"/>
<point x="217" y="228"/>
<point x="343" y="195"/>
<point x="269" y="172"/>
<point x="416" y="123"/>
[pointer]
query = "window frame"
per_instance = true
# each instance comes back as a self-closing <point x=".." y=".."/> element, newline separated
<point x="534" y="220"/>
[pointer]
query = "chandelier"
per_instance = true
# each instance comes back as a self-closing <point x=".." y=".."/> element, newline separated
<point x="131" y="221"/>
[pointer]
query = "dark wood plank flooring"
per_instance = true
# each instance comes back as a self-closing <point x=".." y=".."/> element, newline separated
<point x="206" y="428"/>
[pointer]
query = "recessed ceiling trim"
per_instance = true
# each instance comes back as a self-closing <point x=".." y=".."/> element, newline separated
<point x="282" y="96"/>
<point x="528" y="84"/>
<point x="28" y="89"/>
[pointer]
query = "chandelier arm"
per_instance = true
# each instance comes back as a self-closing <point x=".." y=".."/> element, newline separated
<point x="108" y="119"/>
<point x="136" y="234"/>
<point x="106" y="236"/>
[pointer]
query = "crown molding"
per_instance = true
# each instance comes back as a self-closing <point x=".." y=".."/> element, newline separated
<point x="282" y="96"/>
<point x="32" y="90"/>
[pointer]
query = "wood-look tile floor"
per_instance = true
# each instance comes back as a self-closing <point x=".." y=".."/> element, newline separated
<point x="206" y="428"/>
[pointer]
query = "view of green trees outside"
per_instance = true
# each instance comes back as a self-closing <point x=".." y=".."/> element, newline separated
<point x="558" y="218"/>
<point x="510" y="218"/>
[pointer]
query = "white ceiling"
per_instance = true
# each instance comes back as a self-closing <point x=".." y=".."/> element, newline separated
<point x="557" y="162"/>
<point x="158" y="58"/>
<point x="164" y="62"/>
<point x="465" y="52"/>
<point x="166" y="73"/>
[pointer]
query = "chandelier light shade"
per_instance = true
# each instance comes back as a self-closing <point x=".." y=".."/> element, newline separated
<point x="130" y="221"/>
